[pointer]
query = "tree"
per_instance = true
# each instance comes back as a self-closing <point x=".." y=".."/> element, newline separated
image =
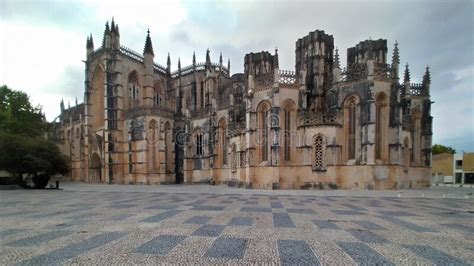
<point x="438" y="149"/>
<point x="34" y="158"/>
<point x="18" y="116"/>
<point x="24" y="151"/>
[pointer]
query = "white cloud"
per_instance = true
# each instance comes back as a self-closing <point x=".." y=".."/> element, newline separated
<point x="43" y="44"/>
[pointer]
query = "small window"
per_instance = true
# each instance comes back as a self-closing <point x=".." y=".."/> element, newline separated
<point x="458" y="164"/>
<point x="458" y="178"/>
<point x="199" y="144"/>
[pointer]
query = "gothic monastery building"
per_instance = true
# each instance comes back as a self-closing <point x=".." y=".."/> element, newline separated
<point x="317" y="125"/>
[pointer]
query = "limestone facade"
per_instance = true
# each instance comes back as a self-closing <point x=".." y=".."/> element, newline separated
<point x="318" y="125"/>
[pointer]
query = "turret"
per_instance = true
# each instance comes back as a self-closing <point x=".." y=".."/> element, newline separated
<point x="257" y="64"/>
<point x="314" y="64"/>
<point x="426" y="81"/>
<point x="89" y="45"/>
<point x="114" y="35"/>
<point x="367" y="50"/>
<point x="395" y="61"/>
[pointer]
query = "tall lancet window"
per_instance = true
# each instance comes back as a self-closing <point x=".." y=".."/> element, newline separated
<point x="416" y="138"/>
<point x="199" y="144"/>
<point x="288" y="127"/>
<point x="380" y="126"/>
<point x="223" y="142"/>
<point x="350" y="125"/>
<point x="263" y="111"/>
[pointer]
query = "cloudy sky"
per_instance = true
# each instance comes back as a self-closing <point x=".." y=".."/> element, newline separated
<point x="42" y="43"/>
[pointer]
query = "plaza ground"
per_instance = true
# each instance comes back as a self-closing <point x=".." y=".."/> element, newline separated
<point x="201" y="224"/>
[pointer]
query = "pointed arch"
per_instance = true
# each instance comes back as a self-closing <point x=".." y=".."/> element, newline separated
<point x="288" y="117"/>
<point x="351" y="127"/>
<point x="263" y="133"/>
<point x="97" y="98"/>
<point x="381" y="127"/>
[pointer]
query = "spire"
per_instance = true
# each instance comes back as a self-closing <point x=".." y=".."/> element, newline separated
<point x="179" y="66"/>
<point x="228" y="65"/>
<point x="395" y="56"/>
<point x="61" y="105"/>
<point x="76" y="100"/>
<point x="117" y="32"/>
<point x="168" y="61"/>
<point x="148" y="46"/>
<point x="208" y="57"/>
<point x="275" y="59"/>
<point x="194" y="58"/>
<point x="91" y="42"/>
<point x="106" y="33"/>
<point x="406" y="77"/>
<point x="68" y="104"/>
<point x="220" y="59"/>
<point x="337" y="64"/>
<point x="112" y="26"/>
<point x="427" y="76"/>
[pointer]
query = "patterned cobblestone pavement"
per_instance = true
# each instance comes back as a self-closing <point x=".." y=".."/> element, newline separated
<point x="217" y="225"/>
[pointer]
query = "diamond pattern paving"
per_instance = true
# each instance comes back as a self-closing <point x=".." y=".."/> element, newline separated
<point x="202" y="225"/>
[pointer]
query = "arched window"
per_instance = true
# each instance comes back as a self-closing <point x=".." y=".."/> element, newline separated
<point x="288" y="127"/>
<point x="350" y="125"/>
<point x="223" y="142"/>
<point x="318" y="151"/>
<point x="199" y="144"/>
<point x="133" y="89"/>
<point x="381" y="126"/>
<point x="263" y="112"/>
<point x="416" y="138"/>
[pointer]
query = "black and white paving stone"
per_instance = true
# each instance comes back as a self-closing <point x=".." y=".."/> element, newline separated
<point x="100" y="224"/>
